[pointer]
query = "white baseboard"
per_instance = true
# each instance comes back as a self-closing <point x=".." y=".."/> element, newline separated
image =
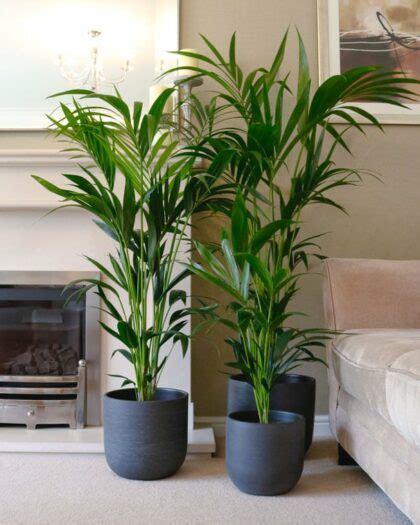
<point x="322" y="426"/>
<point x="218" y="423"/>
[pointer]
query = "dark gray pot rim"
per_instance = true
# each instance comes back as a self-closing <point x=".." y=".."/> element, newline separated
<point x="290" y="378"/>
<point x="121" y="395"/>
<point x="249" y="418"/>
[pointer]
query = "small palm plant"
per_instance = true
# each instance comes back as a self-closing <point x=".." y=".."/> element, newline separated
<point x="277" y="148"/>
<point x="267" y="346"/>
<point x="142" y="194"/>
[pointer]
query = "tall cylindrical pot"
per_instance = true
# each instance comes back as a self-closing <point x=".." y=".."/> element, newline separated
<point x="145" y="440"/>
<point x="291" y="393"/>
<point x="265" y="459"/>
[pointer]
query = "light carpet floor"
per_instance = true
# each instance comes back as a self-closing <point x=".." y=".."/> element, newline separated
<point x="43" y="489"/>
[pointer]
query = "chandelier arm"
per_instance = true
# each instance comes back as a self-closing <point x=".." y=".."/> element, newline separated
<point x="116" y="80"/>
<point x="74" y="76"/>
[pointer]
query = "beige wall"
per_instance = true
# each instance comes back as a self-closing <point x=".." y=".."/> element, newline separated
<point x="384" y="217"/>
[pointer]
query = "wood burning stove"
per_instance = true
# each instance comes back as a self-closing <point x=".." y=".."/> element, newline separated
<point x="49" y="351"/>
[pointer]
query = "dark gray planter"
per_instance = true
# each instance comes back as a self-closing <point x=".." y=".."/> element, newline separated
<point x="145" y="440"/>
<point x="265" y="460"/>
<point x="292" y="393"/>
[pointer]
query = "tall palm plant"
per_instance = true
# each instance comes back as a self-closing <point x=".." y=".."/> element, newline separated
<point x="142" y="194"/>
<point x="277" y="147"/>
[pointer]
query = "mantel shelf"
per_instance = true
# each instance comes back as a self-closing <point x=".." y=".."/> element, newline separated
<point x="32" y="205"/>
<point x="28" y="161"/>
<point x="34" y="157"/>
<point x="24" y="162"/>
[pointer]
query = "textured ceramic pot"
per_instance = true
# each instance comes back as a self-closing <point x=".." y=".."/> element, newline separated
<point x="265" y="460"/>
<point x="145" y="440"/>
<point x="292" y="393"/>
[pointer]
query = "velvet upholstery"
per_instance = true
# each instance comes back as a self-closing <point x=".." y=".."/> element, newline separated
<point x="364" y="293"/>
<point x="374" y="370"/>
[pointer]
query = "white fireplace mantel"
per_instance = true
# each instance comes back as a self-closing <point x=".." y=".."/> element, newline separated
<point x="34" y="157"/>
<point x="23" y="192"/>
<point x="35" y="240"/>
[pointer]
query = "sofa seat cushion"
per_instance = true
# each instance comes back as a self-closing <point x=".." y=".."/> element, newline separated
<point x="381" y="368"/>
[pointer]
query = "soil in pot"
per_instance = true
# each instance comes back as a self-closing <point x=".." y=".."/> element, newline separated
<point x="145" y="440"/>
<point x="265" y="460"/>
<point x="291" y="393"/>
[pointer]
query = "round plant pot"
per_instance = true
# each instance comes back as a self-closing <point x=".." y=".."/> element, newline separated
<point x="291" y="393"/>
<point x="145" y="440"/>
<point x="265" y="460"/>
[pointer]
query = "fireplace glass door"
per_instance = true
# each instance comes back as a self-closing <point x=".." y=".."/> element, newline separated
<point x="41" y="331"/>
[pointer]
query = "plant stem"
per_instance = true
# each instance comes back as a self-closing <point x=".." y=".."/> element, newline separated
<point x="262" y="401"/>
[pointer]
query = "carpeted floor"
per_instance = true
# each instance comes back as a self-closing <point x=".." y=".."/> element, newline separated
<point x="80" y="490"/>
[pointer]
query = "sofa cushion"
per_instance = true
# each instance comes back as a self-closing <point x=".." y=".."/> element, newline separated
<point x="403" y="395"/>
<point x="381" y="368"/>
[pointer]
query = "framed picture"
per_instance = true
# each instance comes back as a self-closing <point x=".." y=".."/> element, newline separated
<point x="56" y="45"/>
<point x="353" y="33"/>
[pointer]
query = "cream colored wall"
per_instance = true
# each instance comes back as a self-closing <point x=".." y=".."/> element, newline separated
<point x="383" y="217"/>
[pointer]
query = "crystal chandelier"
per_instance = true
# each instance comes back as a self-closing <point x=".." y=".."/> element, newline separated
<point x="91" y="75"/>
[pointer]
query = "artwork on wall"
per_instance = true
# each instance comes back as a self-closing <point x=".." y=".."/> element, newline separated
<point x="385" y="33"/>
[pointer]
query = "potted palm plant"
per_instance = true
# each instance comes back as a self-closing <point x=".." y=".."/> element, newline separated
<point x="142" y="195"/>
<point x="277" y="148"/>
<point x="264" y="448"/>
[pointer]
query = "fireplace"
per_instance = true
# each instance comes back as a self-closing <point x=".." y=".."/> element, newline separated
<point x="35" y="241"/>
<point x="49" y="351"/>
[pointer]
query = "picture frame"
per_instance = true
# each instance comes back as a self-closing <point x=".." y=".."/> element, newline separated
<point x="332" y="48"/>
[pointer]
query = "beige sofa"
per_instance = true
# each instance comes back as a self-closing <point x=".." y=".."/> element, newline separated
<point x="374" y="371"/>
